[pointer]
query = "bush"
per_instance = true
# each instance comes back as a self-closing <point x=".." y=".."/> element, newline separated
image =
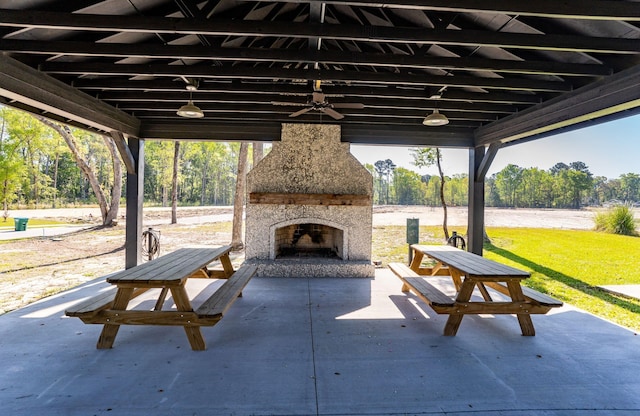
<point x="617" y="220"/>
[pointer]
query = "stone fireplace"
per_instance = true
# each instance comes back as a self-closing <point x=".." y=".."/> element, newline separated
<point x="309" y="211"/>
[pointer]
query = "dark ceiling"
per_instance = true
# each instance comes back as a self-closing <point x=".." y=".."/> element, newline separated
<point x="501" y="71"/>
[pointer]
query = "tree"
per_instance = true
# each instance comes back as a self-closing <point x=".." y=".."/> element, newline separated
<point x="630" y="184"/>
<point x="11" y="166"/>
<point x="238" y="203"/>
<point x="428" y="156"/>
<point x="384" y="169"/>
<point x="158" y="173"/>
<point x="108" y="210"/>
<point x="581" y="180"/>
<point x="258" y="152"/>
<point x="408" y="187"/>
<point x="32" y="141"/>
<point x="507" y="181"/>
<point x="174" y="183"/>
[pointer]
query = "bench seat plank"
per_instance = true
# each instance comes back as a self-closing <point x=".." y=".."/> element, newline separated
<point x="434" y="295"/>
<point x="97" y="303"/>
<point x="221" y="300"/>
<point x="439" y="301"/>
<point x="529" y="293"/>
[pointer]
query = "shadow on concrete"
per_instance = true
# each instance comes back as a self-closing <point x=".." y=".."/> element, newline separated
<point x="570" y="281"/>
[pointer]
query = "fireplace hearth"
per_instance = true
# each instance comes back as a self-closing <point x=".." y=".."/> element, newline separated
<point x="309" y="212"/>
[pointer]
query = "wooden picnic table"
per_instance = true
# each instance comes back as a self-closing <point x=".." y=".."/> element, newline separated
<point x="469" y="271"/>
<point x="169" y="273"/>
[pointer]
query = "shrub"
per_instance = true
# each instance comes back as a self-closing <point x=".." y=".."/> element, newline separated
<point x="617" y="220"/>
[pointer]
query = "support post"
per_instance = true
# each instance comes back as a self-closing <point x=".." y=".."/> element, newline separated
<point x="476" y="201"/>
<point x="135" y="192"/>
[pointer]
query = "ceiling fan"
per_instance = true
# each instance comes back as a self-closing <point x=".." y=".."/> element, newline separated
<point x="318" y="102"/>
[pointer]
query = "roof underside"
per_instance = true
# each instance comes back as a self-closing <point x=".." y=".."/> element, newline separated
<point x="501" y="71"/>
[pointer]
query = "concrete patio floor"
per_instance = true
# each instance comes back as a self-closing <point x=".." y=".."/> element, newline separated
<point x="319" y="347"/>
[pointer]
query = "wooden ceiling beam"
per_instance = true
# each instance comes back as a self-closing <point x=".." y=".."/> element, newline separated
<point x="588" y="9"/>
<point x="125" y="98"/>
<point x="45" y="94"/>
<point x="615" y="94"/>
<point x="417" y="135"/>
<point x="197" y="52"/>
<point x="250" y="72"/>
<point x="166" y="85"/>
<point x="282" y="113"/>
<point x="213" y="27"/>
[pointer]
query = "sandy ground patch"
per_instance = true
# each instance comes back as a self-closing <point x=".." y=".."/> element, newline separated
<point x="36" y="267"/>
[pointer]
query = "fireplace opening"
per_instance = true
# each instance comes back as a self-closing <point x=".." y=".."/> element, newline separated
<point x="308" y="240"/>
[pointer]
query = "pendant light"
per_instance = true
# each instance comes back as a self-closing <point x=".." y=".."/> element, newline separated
<point x="435" y="119"/>
<point x="190" y="110"/>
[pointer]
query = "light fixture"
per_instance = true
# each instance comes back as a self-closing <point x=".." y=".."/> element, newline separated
<point x="435" y="119"/>
<point x="190" y="110"/>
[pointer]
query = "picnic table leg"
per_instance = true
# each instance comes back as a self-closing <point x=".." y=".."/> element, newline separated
<point x="453" y="323"/>
<point x="226" y="265"/>
<point x="109" y="331"/>
<point x="483" y="290"/>
<point x="526" y="325"/>
<point x="456" y="276"/>
<point x="416" y="261"/>
<point x="161" y="299"/>
<point x="194" y="335"/>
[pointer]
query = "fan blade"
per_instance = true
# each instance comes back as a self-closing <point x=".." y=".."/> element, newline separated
<point x="348" y="105"/>
<point x="331" y="112"/>
<point x="300" y="112"/>
<point x="287" y="103"/>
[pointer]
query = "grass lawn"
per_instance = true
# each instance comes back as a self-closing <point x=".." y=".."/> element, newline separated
<point x="570" y="264"/>
<point x="566" y="264"/>
<point x="40" y="222"/>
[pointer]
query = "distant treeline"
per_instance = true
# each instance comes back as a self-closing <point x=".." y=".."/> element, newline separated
<point x="562" y="186"/>
<point x="37" y="169"/>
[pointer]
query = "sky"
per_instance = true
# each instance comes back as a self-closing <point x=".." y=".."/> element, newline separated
<point x="609" y="149"/>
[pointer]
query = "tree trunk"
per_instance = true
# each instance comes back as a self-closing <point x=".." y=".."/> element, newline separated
<point x="116" y="190"/>
<point x="66" y="134"/>
<point x="5" y="203"/>
<point x="174" y="184"/>
<point x="258" y="152"/>
<point x="442" y="200"/>
<point x="238" y="202"/>
<point x="203" y="187"/>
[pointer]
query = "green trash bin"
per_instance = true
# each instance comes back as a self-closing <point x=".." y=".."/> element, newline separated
<point x="21" y="223"/>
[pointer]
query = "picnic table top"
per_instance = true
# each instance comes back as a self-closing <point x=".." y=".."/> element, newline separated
<point x="170" y="268"/>
<point x="470" y="264"/>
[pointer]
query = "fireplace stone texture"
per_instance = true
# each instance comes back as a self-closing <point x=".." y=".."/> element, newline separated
<point x="310" y="159"/>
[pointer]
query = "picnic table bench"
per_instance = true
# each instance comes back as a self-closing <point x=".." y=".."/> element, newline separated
<point x="469" y="271"/>
<point x="169" y="273"/>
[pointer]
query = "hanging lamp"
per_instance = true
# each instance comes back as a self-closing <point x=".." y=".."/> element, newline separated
<point x="435" y="119"/>
<point x="190" y="110"/>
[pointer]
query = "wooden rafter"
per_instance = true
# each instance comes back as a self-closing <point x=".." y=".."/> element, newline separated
<point x="213" y="27"/>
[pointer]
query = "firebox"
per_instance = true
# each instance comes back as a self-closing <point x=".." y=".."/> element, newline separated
<point x="308" y="240"/>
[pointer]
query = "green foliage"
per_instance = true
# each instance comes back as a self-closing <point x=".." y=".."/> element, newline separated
<point x="384" y="169"/>
<point x="616" y="220"/>
<point x="409" y="188"/>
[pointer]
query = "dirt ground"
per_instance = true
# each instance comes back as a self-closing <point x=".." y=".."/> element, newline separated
<point x="36" y="267"/>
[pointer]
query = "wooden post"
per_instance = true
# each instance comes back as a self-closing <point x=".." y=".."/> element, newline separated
<point x="135" y="192"/>
<point x="475" y="231"/>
